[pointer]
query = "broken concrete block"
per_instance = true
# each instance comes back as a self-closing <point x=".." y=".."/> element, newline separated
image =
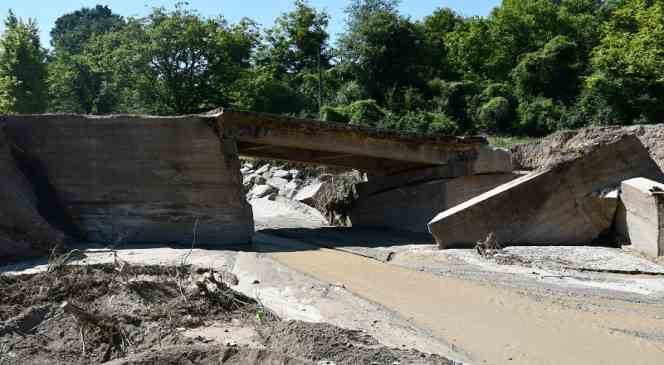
<point x="312" y="193"/>
<point x="410" y="208"/>
<point x="263" y="169"/>
<point x="553" y="205"/>
<point x="642" y="215"/>
<point x="282" y="174"/>
<point x="491" y="160"/>
<point x="278" y="183"/>
<point x="23" y="231"/>
<point x="261" y="191"/>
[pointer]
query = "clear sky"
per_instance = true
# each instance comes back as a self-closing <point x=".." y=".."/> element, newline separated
<point x="262" y="11"/>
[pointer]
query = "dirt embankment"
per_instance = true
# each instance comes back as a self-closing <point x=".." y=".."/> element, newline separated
<point x="530" y="156"/>
<point x="124" y="314"/>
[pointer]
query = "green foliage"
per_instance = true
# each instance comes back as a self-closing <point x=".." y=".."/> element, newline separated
<point x="7" y="100"/>
<point x="540" y="116"/>
<point x="529" y="68"/>
<point x="261" y="90"/>
<point x="173" y="62"/>
<point x="72" y="31"/>
<point x="628" y="64"/>
<point x="298" y="41"/>
<point x="496" y="115"/>
<point x="335" y="114"/>
<point x="366" y="113"/>
<point x="22" y="67"/>
<point x="421" y="122"/>
<point x="382" y="49"/>
<point x="73" y="84"/>
<point x="551" y="72"/>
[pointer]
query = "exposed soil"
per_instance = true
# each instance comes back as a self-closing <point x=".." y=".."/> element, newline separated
<point x="127" y="314"/>
<point x="536" y="154"/>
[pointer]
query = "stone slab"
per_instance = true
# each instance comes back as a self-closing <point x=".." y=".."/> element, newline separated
<point x="138" y="179"/>
<point x="555" y="205"/>
<point x="642" y="218"/>
<point x="411" y="207"/>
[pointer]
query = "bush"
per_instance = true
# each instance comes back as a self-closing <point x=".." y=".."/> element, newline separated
<point x="365" y="113"/>
<point x="334" y="114"/>
<point x="495" y="115"/>
<point x="540" y="117"/>
<point x="421" y="122"/>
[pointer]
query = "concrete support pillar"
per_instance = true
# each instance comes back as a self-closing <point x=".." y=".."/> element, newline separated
<point x="641" y="215"/>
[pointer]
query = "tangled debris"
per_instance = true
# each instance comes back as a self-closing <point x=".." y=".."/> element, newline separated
<point x="126" y="314"/>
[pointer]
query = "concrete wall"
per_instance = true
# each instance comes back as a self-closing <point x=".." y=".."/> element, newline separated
<point x="137" y="179"/>
<point x="23" y="231"/>
<point x="412" y="207"/>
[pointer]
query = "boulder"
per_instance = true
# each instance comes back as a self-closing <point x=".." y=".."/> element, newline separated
<point x="641" y="218"/>
<point x="557" y="204"/>
<point x="312" y="193"/>
<point x="282" y="174"/>
<point x="261" y="191"/>
<point x="278" y="183"/>
<point x="23" y="231"/>
<point x="263" y="169"/>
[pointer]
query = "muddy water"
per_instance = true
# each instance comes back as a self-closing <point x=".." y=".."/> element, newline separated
<point x="493" y="325"/>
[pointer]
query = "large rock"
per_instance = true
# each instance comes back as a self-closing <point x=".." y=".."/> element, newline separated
<point x="140" y="179"/>
<point x="23" y="231"/>
<point x="558" y="204"/>
<point x="411" y="207"/>
<point x="641" y="217"/>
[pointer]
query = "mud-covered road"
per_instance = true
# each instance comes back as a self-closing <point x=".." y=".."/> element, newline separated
<point x="496" y="324"/>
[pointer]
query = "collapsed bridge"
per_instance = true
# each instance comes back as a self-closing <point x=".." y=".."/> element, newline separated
<point x="144" y="179"/>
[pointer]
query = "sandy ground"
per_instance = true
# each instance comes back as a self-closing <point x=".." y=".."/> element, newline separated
<point x="496" y="325"/>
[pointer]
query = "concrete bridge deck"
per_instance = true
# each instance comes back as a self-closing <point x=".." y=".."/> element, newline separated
<point x="338" y="144"/>
<point x="145" y="179"/>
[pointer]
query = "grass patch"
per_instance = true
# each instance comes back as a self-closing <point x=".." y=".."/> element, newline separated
<point x="509" y="141"/>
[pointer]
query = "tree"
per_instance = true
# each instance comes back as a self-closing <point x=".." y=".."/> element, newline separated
<point x="174" y="62"/>
<point x="73" y="85"/>
<point x="469" y="47"/>
<point x="551" y="72"/>
<point x="73" y="30"/>
<point x="437" y="28"/>
<point x="298" y="41"/>
<point x="518" y="27"/>
<point x="381" y="49"/>
<point x="22" y="67"/>
<point x="7" y="100"/>
<point x="628" y="65"/>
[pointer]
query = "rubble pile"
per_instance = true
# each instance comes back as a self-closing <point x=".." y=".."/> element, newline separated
<point x="326" y="190"/>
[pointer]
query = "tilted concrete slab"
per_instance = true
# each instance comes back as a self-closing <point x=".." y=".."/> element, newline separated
<point x="642" y="217"/>
<point x="557" y="204"/>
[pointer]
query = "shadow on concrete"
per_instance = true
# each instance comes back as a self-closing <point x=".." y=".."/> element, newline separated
<point x="379" y="244"/>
